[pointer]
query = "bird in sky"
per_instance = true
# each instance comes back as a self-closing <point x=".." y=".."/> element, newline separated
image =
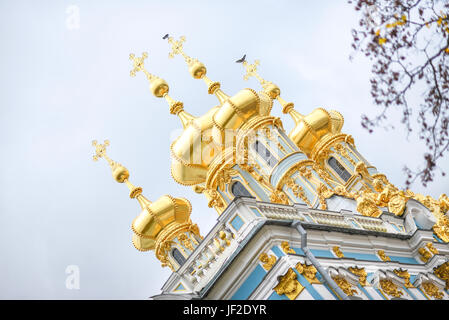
<point x="241" y="60"/>
<point x="165" y="37"/>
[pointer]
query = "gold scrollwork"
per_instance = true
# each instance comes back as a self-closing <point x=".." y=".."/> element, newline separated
<point x="344" y="152"/>
<point x="432" y="290"/>
<point x="298" y="191"/>
<point x="403" y="273"/>
<point x="279" y="196"/>
<point x="431" y="248"/>
<point x="289" y="285"/>
<point x="345" y="285"/>
<point x="383" y="256"/>
<point x="308" y="271"/>
<point x="424" y="254"/>
<point x="361" y="273"/>
<point x="214" y="199"/>
<point x="338" y="252"/>
<point x="442" y="272"/>
<point x="441" y="228"/>
<point x="286" y="247"/>
<point x="390" y="288"/>
<point x="185" y="241"/>
<point x="267" y="260"/>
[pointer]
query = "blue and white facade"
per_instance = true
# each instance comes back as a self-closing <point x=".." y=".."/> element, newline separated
<point x="227" y="265"/>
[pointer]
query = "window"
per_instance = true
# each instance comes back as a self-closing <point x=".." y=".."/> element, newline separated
<point x="339" y="169"/>
<point x="264" y="153"/>
<point x="238" y="189"/>
<point x="177" y="255"/>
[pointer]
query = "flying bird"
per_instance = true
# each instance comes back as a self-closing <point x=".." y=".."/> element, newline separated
<point x="165" y="37"/>
<point x="241" y="60"/>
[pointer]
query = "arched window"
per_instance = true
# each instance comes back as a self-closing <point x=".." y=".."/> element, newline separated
<point x="238" y="189"/>
<point x="177" y="255"/>
<point x="264" y="153"/>
<point x="339" y="169"/>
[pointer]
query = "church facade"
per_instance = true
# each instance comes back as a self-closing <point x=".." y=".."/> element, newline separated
<point x="301" y="214"/>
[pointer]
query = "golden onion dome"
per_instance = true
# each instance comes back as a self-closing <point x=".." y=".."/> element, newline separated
<point x="310" y="129"/>
<point x="156" y="216"/>
<point x="202" y="139"/>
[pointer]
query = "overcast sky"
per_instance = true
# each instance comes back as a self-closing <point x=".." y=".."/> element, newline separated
<point x="65" y="83"/>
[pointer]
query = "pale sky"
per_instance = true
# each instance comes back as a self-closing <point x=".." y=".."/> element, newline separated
<point x="65" y="84"/>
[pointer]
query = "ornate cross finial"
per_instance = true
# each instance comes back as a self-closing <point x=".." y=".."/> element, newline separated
<point x="251" y="71"/>
<point x="196" y="68"/>
<point x="139" y="66"/>
<point x="158" y="86"/>
<point x="119" y="172"/>
<point x="138" y="63"/>
<point x="269" y="87"/>
<point x="176" y="46"/>
<point x="100" y="151"/>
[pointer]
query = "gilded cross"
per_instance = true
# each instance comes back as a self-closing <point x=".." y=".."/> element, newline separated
<point x="138" y="63"/>
<point x="251" y="71"/>
<point x="176" y="46"/>
<point x="100" y="151"/>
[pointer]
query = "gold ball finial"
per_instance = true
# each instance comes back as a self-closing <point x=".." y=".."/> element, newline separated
<point x="197" y="69"/>
<point x="119" y="172"/>
<point x="159" y="87"/>
<point x="272" y="90"/>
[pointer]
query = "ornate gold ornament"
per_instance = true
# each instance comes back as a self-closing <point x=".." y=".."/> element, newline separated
<point x="298" y="191"/>
<point x="442" y="272"/>
<point x="338" y="252"/>
<point x="279" y="196"/>
<point x="424" y="254"/>
<point x="286" y="247"/>
<point x="214" y="199"/>
<point x="432" y="290"/>
<point x="323" y="194"/>
<point x="367" y="206"/>
<point x="341" y="149"/>
<point x="383" y="256"/>
<point x="345" y="285"/>
<point x="225" y="177"/>
<point x="289" y="285"/>
<point x="441" y="228"/>
<point x="186" y="241"/>
<point x="431" y="248"/>
<point x="390" y="288"/>
<point x="361" y="273"/>
<point x="308" y="271"/>
<point x="267" y="260"/>
<point x="403" y="273"/>
<point x="437" y="207"/>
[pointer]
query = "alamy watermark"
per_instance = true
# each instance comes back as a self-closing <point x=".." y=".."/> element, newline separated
<point x="72" y="21"/>
<point x="72" y="282"/>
